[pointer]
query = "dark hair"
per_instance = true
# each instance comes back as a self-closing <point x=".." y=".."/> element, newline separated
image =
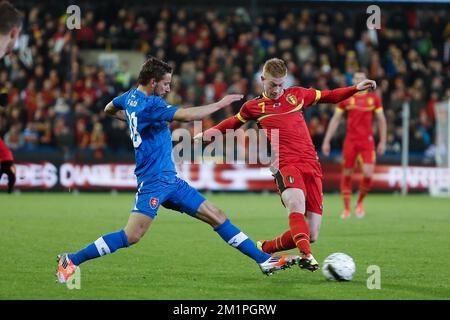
<point x="153" y="69"/>
<point x="10" y="17"/>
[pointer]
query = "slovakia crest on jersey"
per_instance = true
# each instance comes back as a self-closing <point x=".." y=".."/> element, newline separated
<point x="154" y="203"/>
<point x="292" y="99"/>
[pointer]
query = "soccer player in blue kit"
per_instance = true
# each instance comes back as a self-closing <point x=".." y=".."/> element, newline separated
<point x="147" y="115"/>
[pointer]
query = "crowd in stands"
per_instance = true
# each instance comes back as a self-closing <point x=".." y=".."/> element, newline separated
<point x="56" y="100"/>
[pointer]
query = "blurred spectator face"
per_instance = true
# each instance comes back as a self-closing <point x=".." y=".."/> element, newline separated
<point x="358" y="77"/>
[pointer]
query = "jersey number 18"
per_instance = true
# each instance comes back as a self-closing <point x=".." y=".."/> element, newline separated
<point x="134" y="134"/>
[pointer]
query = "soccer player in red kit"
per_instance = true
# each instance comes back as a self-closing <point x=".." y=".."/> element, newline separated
<point x="359" y="143"/>
<point x="7" y="165"/>
<point x="10" y="27"/>
<point x="297" y="171"/>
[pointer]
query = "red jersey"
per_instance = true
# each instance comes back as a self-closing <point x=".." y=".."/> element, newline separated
<point x="5" y="154"/>
<point x="294" y="142"/>
<point x="360" y="109"/>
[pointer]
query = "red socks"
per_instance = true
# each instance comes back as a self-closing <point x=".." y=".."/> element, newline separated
<point x="283" y="242"/>
<point x="364" y="188"/>
<point x="346" y="190"/>
<point x="300" y="232"/>
<point x="296" y="236"/>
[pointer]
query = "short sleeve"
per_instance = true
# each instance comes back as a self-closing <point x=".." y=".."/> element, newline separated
<point x="161" y="110"/>
<point x="119" y="102"/>
<point x="341" y="107"/>
<point x="310" y="96"/>
<point x="246" y="113"/>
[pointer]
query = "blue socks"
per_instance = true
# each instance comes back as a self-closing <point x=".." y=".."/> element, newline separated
<point x="116" y="240"/>
<point x="234" y="237"/>
<point x="103" y="245"/>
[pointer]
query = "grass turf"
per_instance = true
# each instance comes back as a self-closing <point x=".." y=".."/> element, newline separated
<point x="182" y="258"/>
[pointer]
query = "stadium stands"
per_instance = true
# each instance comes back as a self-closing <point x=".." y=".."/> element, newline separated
<point x="55" y="99"/>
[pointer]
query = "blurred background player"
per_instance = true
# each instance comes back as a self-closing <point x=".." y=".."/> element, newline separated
<point x="10" y="26"/>
<point x="297" y="170"/>
<point x="7" y="165"/>
<point x="147" y="115"/>
<point x="359" y="144"/>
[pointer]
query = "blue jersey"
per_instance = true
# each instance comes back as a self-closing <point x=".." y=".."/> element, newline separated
<point x="147" y="118"/>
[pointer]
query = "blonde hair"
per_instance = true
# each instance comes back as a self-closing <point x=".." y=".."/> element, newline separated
<point x="274" y="67"/>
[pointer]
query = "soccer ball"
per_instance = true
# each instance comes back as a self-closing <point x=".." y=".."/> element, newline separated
<point x="339" y="266"/>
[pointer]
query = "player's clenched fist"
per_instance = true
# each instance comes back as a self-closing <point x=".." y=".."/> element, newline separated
<point x="366" y="84"/>
<point x="229" y="99"/>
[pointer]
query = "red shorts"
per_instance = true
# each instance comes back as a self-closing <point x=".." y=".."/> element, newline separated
<point x="5" y="154"/>
<point x="363" y="151"/>
<point x="308" y="178"/>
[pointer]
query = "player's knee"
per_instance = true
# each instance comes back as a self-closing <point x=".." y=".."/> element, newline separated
<point x="295" y="205"/>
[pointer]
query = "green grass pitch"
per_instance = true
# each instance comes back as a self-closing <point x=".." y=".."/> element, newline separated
<point x="182" y="258"/>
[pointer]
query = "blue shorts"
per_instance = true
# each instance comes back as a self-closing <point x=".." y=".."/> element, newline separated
<point x="178" y="196"/>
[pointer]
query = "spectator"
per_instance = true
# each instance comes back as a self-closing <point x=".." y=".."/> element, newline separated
<point x="31" y="137"/>
<point x="218" y="52"/>
<point x="98" y="141"/>
<point x="64" y="138"/>
<point x="14" y="138"/>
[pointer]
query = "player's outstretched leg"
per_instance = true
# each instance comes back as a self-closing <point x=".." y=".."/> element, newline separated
<point x="136" y="227"/>
<point x="294" y="200"/>
<point x="214" y="216"/>
<point x="346" y="191"/>
<point x="281" y="243"/>
<point x="285" y="241"/>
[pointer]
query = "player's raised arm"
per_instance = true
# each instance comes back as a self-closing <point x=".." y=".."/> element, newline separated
<point x="198" y="113"/>
<point x="338" y="95"/>
<point x="334" y="124"/>
<point x="229" y="123"/>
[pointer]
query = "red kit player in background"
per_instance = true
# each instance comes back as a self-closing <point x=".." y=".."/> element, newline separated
<point x="10" y="27"/>
<point x="359" y="143"/>
<point x="296" y="170"/>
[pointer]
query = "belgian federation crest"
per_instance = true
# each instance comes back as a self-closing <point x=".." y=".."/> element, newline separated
<point x="154" y="203"/>
<point x="292" y="99"/>
<point x="370" y="101"/>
